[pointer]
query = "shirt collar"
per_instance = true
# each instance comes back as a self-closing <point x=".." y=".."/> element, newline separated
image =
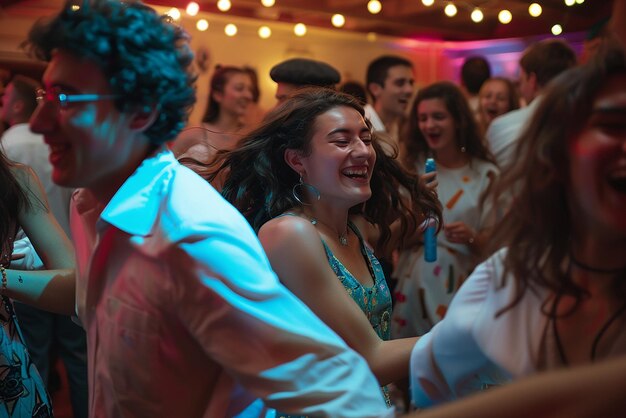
<point x="135" y="206"/>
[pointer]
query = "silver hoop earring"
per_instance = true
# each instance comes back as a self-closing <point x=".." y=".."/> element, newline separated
<point x="298" y="188"/>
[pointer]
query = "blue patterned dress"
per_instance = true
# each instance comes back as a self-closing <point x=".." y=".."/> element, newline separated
<point x="374" y="301"/>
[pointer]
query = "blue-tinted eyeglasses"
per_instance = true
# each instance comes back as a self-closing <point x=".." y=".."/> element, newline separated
<point x="63" y="100"/>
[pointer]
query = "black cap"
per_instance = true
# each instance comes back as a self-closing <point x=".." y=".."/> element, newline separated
<point x="305" y="72"/>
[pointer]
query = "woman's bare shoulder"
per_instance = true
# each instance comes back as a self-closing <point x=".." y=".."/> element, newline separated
<point x="288" y="226"/>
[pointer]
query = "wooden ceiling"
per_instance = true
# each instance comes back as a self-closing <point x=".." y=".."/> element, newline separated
<point x="400" y="18"/>
<point x="411" y="19"/>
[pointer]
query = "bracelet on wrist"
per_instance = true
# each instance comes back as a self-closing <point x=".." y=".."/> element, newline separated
<point x="4" y="282"/>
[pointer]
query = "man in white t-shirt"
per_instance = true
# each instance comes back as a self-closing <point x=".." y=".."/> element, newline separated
<point x="540" y="63"/>
<point x="389" y="81"/>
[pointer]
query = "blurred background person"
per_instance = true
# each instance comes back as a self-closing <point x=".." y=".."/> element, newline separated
<point x="554" y="295"/>
<point x="230" y="95"/>
<point x="474" y="72"/>
<point x="46" y="334"/>
<point x="24" y="204"/>
<point x="497" y="96"/>
<point x="356" y="90"/>
<point x="539" y="64"/>
<point x="441" y="125"/>
<point x="390" y="82"/>
<point x="295" y="73"/>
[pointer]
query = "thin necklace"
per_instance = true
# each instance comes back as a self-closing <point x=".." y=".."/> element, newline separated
<point x="343" y="238"/>
<point x="596" y="340"/>
<point x="593" y="269"/>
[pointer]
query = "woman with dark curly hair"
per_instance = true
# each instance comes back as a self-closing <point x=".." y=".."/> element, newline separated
<point x="24" y="204"/>
<point x="441" y="124"/>
<point x="555" y="294"/>
<point x="314" y="183"/>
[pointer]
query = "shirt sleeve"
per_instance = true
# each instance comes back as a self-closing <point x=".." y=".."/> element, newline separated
<point x="30" y="259"/>
<point x="265" y="337"/>
<point x="448" y="362"/>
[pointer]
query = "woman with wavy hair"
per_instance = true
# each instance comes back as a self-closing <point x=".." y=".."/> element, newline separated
<point x="24" y="204"/>
<point x="442" y="125"/>
<point x="555" y="294"/>
<point x="314" y="183"/>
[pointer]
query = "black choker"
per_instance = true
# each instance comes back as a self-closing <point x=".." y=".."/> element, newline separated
<point x="593" y="269"/>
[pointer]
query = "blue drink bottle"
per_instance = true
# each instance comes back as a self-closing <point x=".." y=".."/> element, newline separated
<point x="430" y="237"/>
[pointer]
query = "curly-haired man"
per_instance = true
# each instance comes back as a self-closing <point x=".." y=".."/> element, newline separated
<point x="184" y="316"/>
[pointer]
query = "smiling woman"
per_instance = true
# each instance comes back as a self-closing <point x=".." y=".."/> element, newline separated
<point x="24" y="205"/>
<point x="313" y="182"/>
<point x="441" y="124"/>
<point x="555" y="295"/>
<point x="497" y="96"/>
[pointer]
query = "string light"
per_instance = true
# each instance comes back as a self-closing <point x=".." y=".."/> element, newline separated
<point x="265" y="32"/>
<point x="477" y="15"/>
<point x="505" y="17"/>
<point x="75" y="7"/>
<point x="192" y="8"/>
<point x="374" y="6"/>
<point x="450" y="10"/>
<point x="174" y="13"/>
<point x="299" y="29"/>
<point x="224" y="5"/>
<point x="534" y="10"/>
<point x="202" y="25"/>
<point x="230" y="30"/>
<point x="338" y="20"/>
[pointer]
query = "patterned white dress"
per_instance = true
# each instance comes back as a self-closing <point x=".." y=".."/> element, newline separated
<point x="424" y="289"/>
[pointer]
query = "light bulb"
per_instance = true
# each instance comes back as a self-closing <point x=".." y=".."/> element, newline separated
<point x="557" y="30"/>
<point x="174" y="13"/>
<point x="230" y="30"/>
<point x="570" y="2"/>
<point x="192" y="8"/>
<point x="505" y="17"/>
<point x="202" y="25"/>
<point x="265" y="32"/>
<point x="428" y="3"/>
<point x="374" y="6"/>
<point x="268" y="3"/>
<point x="477" y="15"/>
<point x="299" y="29"/>
<point x="534" y="10"/>
<point x="338" y="20"/>
<point x="450" y="10"/>
<point x="224" y="5"/>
